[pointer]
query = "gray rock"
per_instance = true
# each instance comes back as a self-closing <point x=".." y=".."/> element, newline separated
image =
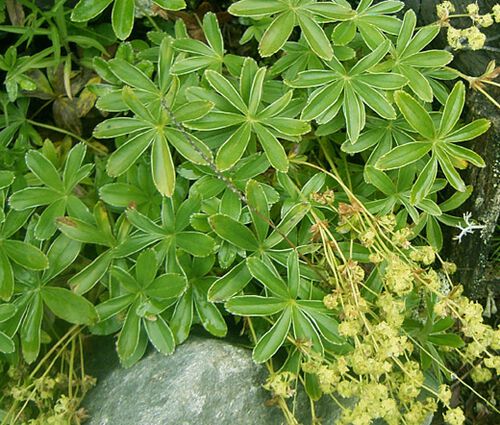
<point x="205" y="382"/>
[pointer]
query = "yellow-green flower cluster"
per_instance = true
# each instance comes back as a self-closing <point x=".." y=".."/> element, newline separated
<point x="444" y="10"/>
<point x="281" y="384"/>
<point x="423" y="254"/>
<point x="398" y="276"/>
<point x="454" y="416"/>
<point x="472" y="37"/>
<point x="381" y="371"/>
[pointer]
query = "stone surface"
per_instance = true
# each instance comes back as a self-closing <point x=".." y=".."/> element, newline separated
<point x="205" y="382"/>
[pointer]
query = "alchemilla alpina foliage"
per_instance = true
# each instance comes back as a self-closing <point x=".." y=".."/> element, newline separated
<point x="294" y="187"/>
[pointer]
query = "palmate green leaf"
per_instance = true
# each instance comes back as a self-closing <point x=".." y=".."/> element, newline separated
<point x="162" y="166"/>
<point x="370" y="20"/>
<point x="267" y="277"/>
<point x="122" y="18"/>
<point x="69" y="306"/>
<point x="88" y="277"/>
<point x="259" y="209"/>
<point x="304" y="330"/>
<point x="131" y="75"/>
<point x="182" y="318"/>
<point x="286" y="15"/>
<point x="61" y="254"/>
<point x="25" y="255"/>
<point x="417" y="82"/>
<point x="403" y="155"/>
<point x="370" y="60"/>
<point x="7" y="311"/>
<point x="344" y="33"/>
<point x="256" y="8"/>
<point x="415" y="114"/>
<point x="82" y="231"/>
<point x="380" y="180"/>
<point x="44" y="170"/>
<point x="203" y="56"/>
<point x="469" y="131"/>
<point x="160" y="334"/>
<point x="429" y="59"/>
<point x="222" y="86"/>
<point x="465" y="154"/>
<point x="234" y="232"/>
<point x="85" y="10"/>
<point x="452" y="109"/>
<point x="424" y="182"/>
<point x="254" y="305"/>
<point x="171" y="4"/>
<point x="272" y="147"/>
<point x="32" y="197"/>
<point x="6" y="343"/>
<point x="315" y="36"/>
<point x="210" y="316"/>
<point x="449" y="170"/>
<point x="168" y="285"/>
<point x="434" y="234"/>
<point x="30" y="331"/>
<point x="128" y="339"/>
<point x="231" y="283"/>
<point x="374" y="100"/>
<point x="410" y="61"/>
<point x="6" y="277"/>
<point x="242" y="113"/>
<point x="273" y="339"/>
<point x="6" y="178"/>
<point x="195" y="243"/>
<point x="354" y="112"/>
<point x="449" y="340"/>
<point x="128" y="153"/>
<point x="234" y="147"/>
<point x="113" y="306"/>
<point x="321" y="99"/>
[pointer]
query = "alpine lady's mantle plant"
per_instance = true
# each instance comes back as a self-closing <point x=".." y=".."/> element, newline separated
<point x="302" y="192"/>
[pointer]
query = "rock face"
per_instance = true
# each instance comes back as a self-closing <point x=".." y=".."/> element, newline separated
<point x="205" y="382"/>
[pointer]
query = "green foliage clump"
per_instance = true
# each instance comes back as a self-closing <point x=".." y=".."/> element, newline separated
<point x="302" y="197"/>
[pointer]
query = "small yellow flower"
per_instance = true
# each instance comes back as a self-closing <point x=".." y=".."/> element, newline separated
<point x="485" y="20"/>
<point x="444" y="394"/>
<point x="454" y="37"/>
<point x="472" y="9"/>
<point x="454" y="416"/>
<point x="280" y="384"/>
<point x="423" y="254"/>
<point x="449" y="267"/>
<point x="493" y="363"/>
<point x="475" y="38"/>
<point x="496" y="13"/>
<point x="479" y="374"/>
<point x="443" y="10"/>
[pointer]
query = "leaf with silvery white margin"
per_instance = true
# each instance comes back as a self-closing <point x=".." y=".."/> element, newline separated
<point x="152" y="127"/>
<point x="356" y="86"/>
<point x="437" y="141"/>
<point x="123" y="12"/>
<point x="411" y="62"/>
<point x="242" y="113"/>
<point x="201" y="56"/>
<point x="286" y="15"/>
<point x="57" y="194"/>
